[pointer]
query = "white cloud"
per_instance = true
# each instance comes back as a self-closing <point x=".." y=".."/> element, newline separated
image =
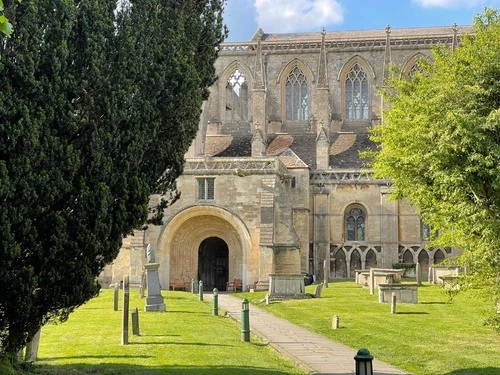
<point x="449" y="3"/>
<point x="297" y="15"/>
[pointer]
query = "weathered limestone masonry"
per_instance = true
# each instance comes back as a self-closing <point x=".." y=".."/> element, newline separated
<point x="273" y="183"/>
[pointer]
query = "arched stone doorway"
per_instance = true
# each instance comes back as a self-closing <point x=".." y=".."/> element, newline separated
<point x="213" y="263"/>
<point x="204" y="227"/>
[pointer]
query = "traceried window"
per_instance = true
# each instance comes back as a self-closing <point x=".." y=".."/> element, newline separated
<point x="355" y="224"/>
<point x="236" y="98"/>
<point x="427" y="233"/>
<point x="356" y="94"/>
<point x="414" y="69"/>
<point x="297" y="96"/>
<point x="206" y="188"/>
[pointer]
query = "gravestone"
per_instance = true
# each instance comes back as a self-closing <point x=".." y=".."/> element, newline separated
<point x="154" y="300"/>
<point x="32" y="348"/>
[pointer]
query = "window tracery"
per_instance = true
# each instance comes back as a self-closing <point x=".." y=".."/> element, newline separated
<point x="355" y="224"/>
<point x="356" y="94"/>
<point x="236" y="97"/>
<point x="297" y="96"/>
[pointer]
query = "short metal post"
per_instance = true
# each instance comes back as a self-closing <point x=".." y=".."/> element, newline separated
<point x="192" y="286"/>
<point x="216" y="302"/>
<point x="245" y="321"/>
<point x="200" y="290"/>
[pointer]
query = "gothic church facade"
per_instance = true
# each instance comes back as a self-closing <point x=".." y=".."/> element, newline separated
<point x="273" y="183"/>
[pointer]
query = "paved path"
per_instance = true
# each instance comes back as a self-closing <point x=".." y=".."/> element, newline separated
<point x="314" y="353"/>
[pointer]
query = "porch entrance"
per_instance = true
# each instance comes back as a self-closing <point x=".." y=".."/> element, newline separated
<point x="213" y="269"/>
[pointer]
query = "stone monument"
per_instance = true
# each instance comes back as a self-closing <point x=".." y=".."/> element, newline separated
<point x="154" y="300"/>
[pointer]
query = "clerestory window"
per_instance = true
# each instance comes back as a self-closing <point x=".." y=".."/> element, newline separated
<point x="206" y="188"/>
<point x="297" y="96"/>
<point x="236" y="98"/>
<point x="355" y="219"/>
<point x="356" y="94"/>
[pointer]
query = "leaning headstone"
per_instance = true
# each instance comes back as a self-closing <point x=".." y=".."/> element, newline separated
<point x="32" y="348"/>
<point x="430" y="276"/>
<point x="393" y="303"/>
<point x="135" y="322"/>
<point x="267" y="299"/>
<point x="418" y="275"/>
<point x="126" y="295"/>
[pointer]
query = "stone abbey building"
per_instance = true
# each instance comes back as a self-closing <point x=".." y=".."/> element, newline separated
<point x="273" y="183"/>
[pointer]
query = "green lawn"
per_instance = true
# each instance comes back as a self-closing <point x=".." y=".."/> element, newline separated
<point x="187" y="339"/>
<point x="432" y="337"/>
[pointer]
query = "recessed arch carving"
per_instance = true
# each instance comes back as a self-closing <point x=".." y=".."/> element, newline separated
<point x="181" y="238"/>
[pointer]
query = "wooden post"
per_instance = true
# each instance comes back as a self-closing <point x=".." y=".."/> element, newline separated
<point x="393" y="303"/>
<point x="326" y="273"/>
<point x="135" y="322"/>
<point x="372" y="281"/>
<point x="117" y="290"/>
<point x="126" y="292"/>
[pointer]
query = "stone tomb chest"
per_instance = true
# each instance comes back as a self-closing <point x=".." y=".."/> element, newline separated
<point x="405" y="293"/>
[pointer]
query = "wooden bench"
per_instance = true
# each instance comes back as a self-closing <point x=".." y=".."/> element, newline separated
<point x="178" y="284"/>
<point x="234" y="286"/>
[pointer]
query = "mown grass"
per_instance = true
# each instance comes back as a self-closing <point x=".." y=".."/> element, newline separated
<point x="432" y="337"/>
<point x="187" y="339"/>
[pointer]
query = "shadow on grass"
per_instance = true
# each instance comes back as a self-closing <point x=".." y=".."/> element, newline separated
<point x="476" y="371"/>
<point x="412" y="313"/>
<point x="177" y="343"/>
<point x="108" y="369"/>
<point x="93" y="357"/>
<point x="434" y="303"/>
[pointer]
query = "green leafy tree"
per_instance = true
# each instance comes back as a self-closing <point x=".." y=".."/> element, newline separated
<point x="98" y="106"/>
<point x="440" y="145"/>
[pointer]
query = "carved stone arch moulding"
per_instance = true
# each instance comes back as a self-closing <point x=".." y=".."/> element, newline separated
<point x="412" y="62"/>
<point x="362" y="62"/>
<point x="295" y="63"/>
<point x="231" y="67"/>
<point x="181" y="237"/>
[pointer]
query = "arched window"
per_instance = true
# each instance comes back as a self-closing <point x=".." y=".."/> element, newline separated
<point x="356" y="94"/>
<point x="355" y="224"/>
<point x="297" y="96"/>
<point x="236" y="98"/>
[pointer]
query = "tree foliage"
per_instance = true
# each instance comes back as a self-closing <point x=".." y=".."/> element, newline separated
<point x="98" y="106"/>
<point x="440" y="145"/>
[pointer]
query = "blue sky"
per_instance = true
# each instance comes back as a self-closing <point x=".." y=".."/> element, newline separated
<point x="244" y="17"/>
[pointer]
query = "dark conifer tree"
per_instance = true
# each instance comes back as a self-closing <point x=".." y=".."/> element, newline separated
<point x="98" y="106"/>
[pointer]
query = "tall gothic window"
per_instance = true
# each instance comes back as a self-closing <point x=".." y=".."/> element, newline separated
<point x="236" y="98"/>
<point x="297" y="96"/>
<point x="355" y="224"/>
<point x="356" y="94"/>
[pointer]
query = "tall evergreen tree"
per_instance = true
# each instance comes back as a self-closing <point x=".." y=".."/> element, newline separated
<point x="98" y="106"/>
